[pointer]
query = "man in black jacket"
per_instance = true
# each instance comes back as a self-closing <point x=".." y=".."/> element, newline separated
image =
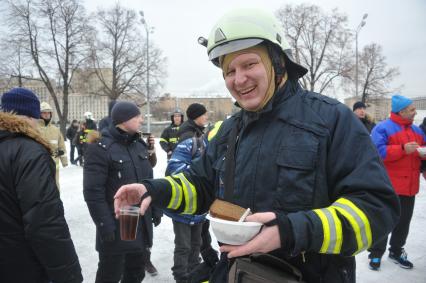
<point x="35" y="243"/>
<point x="70" y="134"/>
<point x="119" y="157"/>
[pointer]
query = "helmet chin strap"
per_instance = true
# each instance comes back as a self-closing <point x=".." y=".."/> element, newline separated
<point x="278" y="64"/>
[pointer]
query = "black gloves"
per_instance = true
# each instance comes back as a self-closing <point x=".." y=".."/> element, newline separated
<point x="108" y="237"/>
<point x="59" y="153"/>
<point x="156" y="220"/>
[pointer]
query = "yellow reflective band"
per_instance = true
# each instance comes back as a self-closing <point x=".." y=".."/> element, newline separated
<point x="213" y="132"/>
<point x="163" y="140"/>
<point x="173" y="140"/>
<point x="176" y="199"/>
<point x="364" y="220"/>
<point x="338" y="231"/>
<point x="326" y="230"/>
<point x="190" y="195"/>
<point x="357" y="220"/>
<point x="332" y="229"/>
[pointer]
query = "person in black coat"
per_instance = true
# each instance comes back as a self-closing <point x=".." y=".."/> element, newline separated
<point x="35" y="242"/>
<point x="70" y="134"/>
<point x="359" y="110"/>
<point x="107" y="120"/>
<point x="423" y="125"/>
<point x="119" y="157"/>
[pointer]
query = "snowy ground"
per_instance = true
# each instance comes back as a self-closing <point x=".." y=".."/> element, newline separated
<point x="83" y="234"/>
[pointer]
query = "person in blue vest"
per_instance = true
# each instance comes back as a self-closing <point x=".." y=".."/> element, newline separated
<point x="187" y="228"/>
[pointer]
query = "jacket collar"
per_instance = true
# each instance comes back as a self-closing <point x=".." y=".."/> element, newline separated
<point x="399" y="120"/>
<point x="120" y="135"/>
<point x="12" y="125"/>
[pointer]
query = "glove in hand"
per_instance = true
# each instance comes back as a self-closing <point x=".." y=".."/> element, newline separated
<point x="156" y="221"/>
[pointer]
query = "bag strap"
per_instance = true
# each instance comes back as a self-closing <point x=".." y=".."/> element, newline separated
<point x="228" y="181"/>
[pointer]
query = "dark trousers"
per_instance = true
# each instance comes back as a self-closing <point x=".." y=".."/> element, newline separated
<point x="399" y="233"/>
<point x="205" y="236"/>
<point x="129" y="268"/>
<point x="187" y="249"/>
<point x="72" y="150"/>
<point x="210" y="255"/>
<point x="79" y="159"/>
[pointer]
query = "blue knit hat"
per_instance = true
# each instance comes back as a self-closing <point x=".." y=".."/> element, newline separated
<point x="123" y="111"/>
<point x="21" y="101"/>
<point x="399" y="102"/>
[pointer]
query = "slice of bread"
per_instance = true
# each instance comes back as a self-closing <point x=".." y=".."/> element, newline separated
<point x="226" y="210"/>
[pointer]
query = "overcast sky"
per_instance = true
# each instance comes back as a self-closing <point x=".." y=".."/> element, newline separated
<point x="399" y="26"/>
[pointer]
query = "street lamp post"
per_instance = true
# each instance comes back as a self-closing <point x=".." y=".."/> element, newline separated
<point x="148" y="106"/>
<point x="361" y="24"/>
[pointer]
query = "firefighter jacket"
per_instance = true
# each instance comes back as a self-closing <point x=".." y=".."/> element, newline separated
<point x="115" y="160"/>
<point x="307" y="158"/>
<point x="169" y="138"/>
<point x="35" y="242"/>
<point x="54" y="137"/>
<point x="389" y="137"/>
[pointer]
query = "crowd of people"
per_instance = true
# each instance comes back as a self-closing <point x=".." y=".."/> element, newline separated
<point x="326" y="182"/>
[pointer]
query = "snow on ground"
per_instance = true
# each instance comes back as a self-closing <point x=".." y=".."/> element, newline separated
<point x="83" y="234"/>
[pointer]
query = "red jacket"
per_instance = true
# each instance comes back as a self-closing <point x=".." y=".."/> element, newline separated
<point x="389" y="137"/>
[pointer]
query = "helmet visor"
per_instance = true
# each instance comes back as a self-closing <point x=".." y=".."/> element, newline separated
<point x="233" y="46"/>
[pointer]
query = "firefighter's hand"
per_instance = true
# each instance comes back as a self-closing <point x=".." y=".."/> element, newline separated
<point x="130" y="195"/>
<point x="267" y="240"/>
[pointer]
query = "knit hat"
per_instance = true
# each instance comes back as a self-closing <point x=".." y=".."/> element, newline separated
<point x="21" y="101"/>
<point x="358" y="104"/>
<point x="123" y="111"/>
<point x="399" y="102"/>
<point x="195" y="110"/>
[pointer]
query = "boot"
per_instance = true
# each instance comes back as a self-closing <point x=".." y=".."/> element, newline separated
<point x="149" y="267"/>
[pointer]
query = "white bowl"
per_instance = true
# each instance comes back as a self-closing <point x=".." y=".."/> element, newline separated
<point x="232" y="232"/>
<point x="421" y="150"/>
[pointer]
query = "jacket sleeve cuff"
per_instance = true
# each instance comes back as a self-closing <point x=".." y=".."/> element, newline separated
<point x="159" y="190"/>
<point x="286" y="232"/>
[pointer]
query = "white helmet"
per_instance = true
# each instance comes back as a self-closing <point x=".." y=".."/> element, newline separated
<point x="45" y="107"/>
<point x="88" y="115"/>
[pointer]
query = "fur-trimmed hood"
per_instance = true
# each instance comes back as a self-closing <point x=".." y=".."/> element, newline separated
<point x="18" y="126"/>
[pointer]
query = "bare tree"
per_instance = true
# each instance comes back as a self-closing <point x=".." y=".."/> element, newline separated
<point x="54" y="35"/>
<point x="321" y="43"/>
<point x="374" y="73"/>
<point x="119" y="47"/>
<point x="16" y="65"/>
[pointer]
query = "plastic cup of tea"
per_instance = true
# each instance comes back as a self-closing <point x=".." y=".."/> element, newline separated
<point x="129" y="218"/>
